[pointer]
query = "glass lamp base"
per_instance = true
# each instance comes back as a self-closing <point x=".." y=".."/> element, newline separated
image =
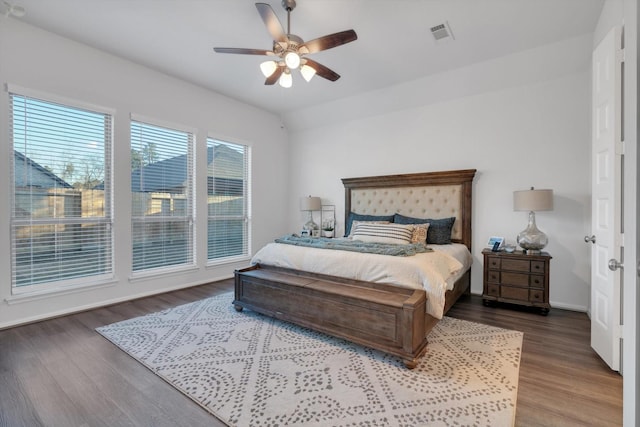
<point x="310" y="225"/>
<point x="531" y="239"/>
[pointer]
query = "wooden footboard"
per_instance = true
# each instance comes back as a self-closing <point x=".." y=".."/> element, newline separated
<point x="384" y="317"/>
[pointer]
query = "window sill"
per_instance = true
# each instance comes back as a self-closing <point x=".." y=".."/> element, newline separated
<point x="48" y="293"/>
<point x="227" y="261"/>
<point x="153" y="274"/>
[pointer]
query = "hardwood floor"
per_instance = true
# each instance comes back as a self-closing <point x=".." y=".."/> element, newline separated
<point x="60" y="372"/>
<point x="562" y="380"/>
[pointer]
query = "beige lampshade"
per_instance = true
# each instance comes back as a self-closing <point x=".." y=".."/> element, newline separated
<point x="310" y="203"/>
<point x="533" y="200"/>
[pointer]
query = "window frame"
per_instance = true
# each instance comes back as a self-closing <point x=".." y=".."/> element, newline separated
<point x="191" y="210"/>
<point x="247" y="197"/>
<point x="108" y="219"/>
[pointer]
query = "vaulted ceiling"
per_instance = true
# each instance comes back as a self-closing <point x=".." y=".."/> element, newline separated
<point x="394" y="45"/>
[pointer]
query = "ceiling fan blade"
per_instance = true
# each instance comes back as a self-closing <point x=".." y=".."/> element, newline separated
<point x="272" y="22"/>
<point x="243" y="51"/>
<point x="329" y="41"/>
<point x="323" y="71"/>
<point x="274" y="77"/>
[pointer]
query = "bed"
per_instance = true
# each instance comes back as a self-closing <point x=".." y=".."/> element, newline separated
<point x="380" y="311"/>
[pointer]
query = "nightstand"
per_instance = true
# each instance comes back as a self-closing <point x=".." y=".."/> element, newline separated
<point x="516" y="278"/>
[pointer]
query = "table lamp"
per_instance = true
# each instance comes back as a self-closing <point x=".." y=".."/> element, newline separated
<point x="531" y="239"/>
<point x="310" y="204"/>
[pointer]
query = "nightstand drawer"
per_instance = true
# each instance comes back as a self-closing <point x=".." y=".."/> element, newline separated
<point x="537" y="281"/>
<point x="537" y="267"/>
<point x="515" y="265"/>
<point x="536" y="295"/>
<point x="521" y="294"/>
<point x="514" y="279"/>
<point x="493" y="290"/>
<point x="493" y="262"/>
<point x="493" y="276"/>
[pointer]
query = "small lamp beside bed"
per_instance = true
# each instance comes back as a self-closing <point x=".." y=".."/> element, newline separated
<point x="311" y="204"/>
<point x="531" y="239"/>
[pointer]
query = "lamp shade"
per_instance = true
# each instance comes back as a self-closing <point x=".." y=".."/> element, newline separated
<point x="268" y="68"/>
<point x="285" y="79"/>
<point x="533" y="200"/>
<point x="307" y="72"/>
<point x="310" y="203"/>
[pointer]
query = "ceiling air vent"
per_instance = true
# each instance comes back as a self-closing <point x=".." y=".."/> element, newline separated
<point x="442" y="33"/>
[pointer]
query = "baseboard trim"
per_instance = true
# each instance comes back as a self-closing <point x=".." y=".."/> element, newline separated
<point x="558" y="305"/>
<point x="109" y="302"/>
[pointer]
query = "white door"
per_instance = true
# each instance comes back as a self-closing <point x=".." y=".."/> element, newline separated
<point x="606" y="199"/>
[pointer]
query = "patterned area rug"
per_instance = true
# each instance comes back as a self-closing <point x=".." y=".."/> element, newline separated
<point x="251" y="370"/>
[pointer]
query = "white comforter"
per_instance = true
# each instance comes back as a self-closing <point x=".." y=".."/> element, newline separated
<point x="434" y="271"/>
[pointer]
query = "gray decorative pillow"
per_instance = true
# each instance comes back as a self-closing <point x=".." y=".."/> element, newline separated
<point x="360" y="217"/>
<point x="439" y="232"/>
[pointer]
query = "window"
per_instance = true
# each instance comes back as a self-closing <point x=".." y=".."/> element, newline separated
<point x="61" y="202"/>
<point x="228" y="200"/>
<point x="162" y="196"/>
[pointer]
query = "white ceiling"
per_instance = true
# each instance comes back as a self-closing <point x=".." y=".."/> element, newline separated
<point x="394" y="42"/>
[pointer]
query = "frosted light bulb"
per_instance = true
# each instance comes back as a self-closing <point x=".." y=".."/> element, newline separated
<point x="292" y="60"/>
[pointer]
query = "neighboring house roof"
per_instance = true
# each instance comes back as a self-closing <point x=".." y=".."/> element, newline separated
<point x="28" y="173"/>
<point x="163" y="176"/>
<point x="170" y="175"/>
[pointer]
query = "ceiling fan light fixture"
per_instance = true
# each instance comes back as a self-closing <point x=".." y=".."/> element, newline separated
<point x="14" y="10"/>
<point x="290" y="50"/>
<point x="292" y="59"/>
<point x="286" y="80"/>
<point x="307" y="72"/>
<point x="268" y="68"/>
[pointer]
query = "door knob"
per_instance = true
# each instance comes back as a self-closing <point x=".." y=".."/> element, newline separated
<point x="591" y="239"/>
<point x="614" y="264"/>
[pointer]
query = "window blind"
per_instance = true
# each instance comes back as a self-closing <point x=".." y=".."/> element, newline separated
<point x="61" y="212"/>
<point x="228" y="200"/>
<point x="162" y="196"/>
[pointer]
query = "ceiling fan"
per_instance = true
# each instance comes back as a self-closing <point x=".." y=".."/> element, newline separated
<point x="290" y="50"/>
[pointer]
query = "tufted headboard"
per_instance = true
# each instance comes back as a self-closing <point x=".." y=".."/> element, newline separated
<point x="421" y="195"/>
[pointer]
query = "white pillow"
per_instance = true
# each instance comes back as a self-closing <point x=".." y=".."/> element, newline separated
<point x="399" y="234"/>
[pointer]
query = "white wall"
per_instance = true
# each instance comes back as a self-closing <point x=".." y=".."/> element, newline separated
<point x="38" y="60"/>
<point x="521" y="121"/>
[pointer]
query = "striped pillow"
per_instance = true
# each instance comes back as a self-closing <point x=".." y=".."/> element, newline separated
<point x="399" y="234"/>
<point x="355" y="224"/>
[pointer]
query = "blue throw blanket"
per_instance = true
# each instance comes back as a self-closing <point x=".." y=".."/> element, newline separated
<point x="355" y="245"/>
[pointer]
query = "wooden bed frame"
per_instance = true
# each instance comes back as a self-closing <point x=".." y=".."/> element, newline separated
<point x="386" y="317"/>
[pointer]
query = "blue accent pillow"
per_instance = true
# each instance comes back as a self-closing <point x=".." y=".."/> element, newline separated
<point x="439" y="232"/>
<point x="360" y="217"/>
